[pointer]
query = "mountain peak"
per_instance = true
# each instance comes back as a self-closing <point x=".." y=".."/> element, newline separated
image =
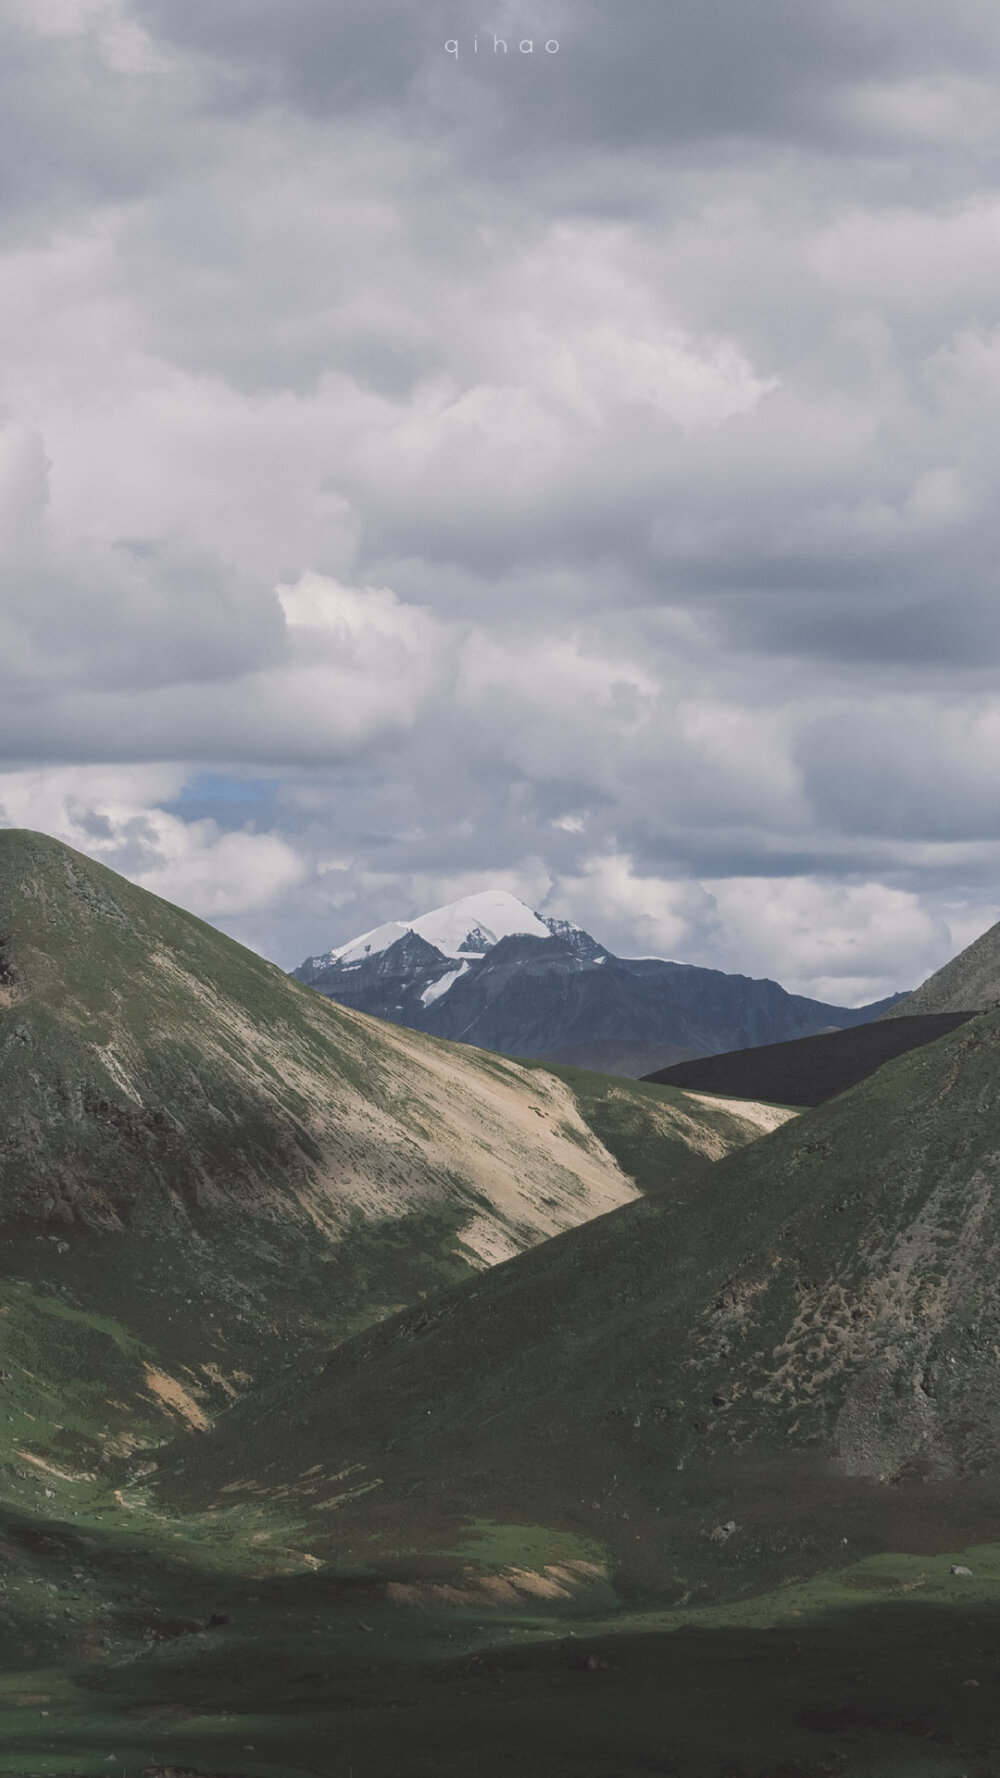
<point x="463" y="928"/>
<point x="969" y="982"/>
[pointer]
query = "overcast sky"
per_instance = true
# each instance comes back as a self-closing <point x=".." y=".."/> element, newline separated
<point x="572" y="470"/>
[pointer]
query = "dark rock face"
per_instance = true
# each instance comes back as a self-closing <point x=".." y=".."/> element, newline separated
<point x="388" y="984"/>
<point x="528" y="996"/>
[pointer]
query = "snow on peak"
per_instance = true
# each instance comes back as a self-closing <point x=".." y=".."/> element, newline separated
<point x="369" y="943"/>
<point x="461" y="929"/>
<point x="493" y="914"/>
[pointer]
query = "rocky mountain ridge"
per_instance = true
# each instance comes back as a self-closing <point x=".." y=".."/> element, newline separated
<point x="969" y="982"/>
<point x="533" y="986"/>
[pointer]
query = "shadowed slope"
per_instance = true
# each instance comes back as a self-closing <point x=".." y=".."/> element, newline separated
<point x="809" y="1070"/>
<point x="821" y="1316"/>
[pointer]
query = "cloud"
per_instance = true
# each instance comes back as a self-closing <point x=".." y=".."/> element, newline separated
<point x="216" y="873"/>
<point x="577" y="473"/>
<point x="843" y="943"/>
<point x="910" y="767"/>
<point x="112" y="815"/>
<point x="659" y="917"/>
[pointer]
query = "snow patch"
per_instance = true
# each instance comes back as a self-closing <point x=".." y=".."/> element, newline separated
<point x="441" y="986"/>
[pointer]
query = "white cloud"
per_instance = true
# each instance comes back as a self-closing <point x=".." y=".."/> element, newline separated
<point x="845" y="943"/>
<point x="111" y="814"/>
<point x="642" y="916"/>
<point x="589" y="488"/>
<point x="214" y="873"/>
<point x="941" y="110"/>
<point x="58" y="800"/>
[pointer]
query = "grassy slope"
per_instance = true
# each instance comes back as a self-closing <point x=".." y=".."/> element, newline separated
<point x="384" y="1580"/>
<point x="205" y="1167"/>
<point x="662" y="1137"/>
<point x="527" y="1428"/>
<point x="819" y="1316"/>
<point x="416" y="1636"/>
<point x="110" y="1652"/>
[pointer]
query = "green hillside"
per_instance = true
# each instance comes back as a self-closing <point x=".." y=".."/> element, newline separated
<point x="205" y="1167"/>
<point x="796" y="1346"/>
<point x="663" y="1136"/>
<point x="208" y="1171"/>
<point x="294" y="1481"/>
<point x="699" y="1413"/>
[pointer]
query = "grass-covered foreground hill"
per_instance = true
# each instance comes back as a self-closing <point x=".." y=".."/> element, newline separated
<point x="205" y="1166"/>
<point x="209" y="1176"/>
<point x="206" y="1169"/>
<point x="706" y="1487"/>
<point x="716" y="1390"/>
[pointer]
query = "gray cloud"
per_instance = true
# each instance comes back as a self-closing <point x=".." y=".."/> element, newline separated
<point x="645" y="74"/>
<point x="621" y="427"/>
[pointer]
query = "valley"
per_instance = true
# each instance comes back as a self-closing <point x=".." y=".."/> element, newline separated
<point x="372" y="1402"/>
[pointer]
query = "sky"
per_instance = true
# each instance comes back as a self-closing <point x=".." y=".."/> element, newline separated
<point x="572" y="469"/>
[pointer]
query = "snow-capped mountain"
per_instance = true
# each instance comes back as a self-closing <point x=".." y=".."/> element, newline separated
<point x="463" y="928"/>
<point x="490" y="971"/>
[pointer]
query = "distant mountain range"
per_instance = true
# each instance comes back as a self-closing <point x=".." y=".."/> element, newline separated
<point x="487" y="970"/>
